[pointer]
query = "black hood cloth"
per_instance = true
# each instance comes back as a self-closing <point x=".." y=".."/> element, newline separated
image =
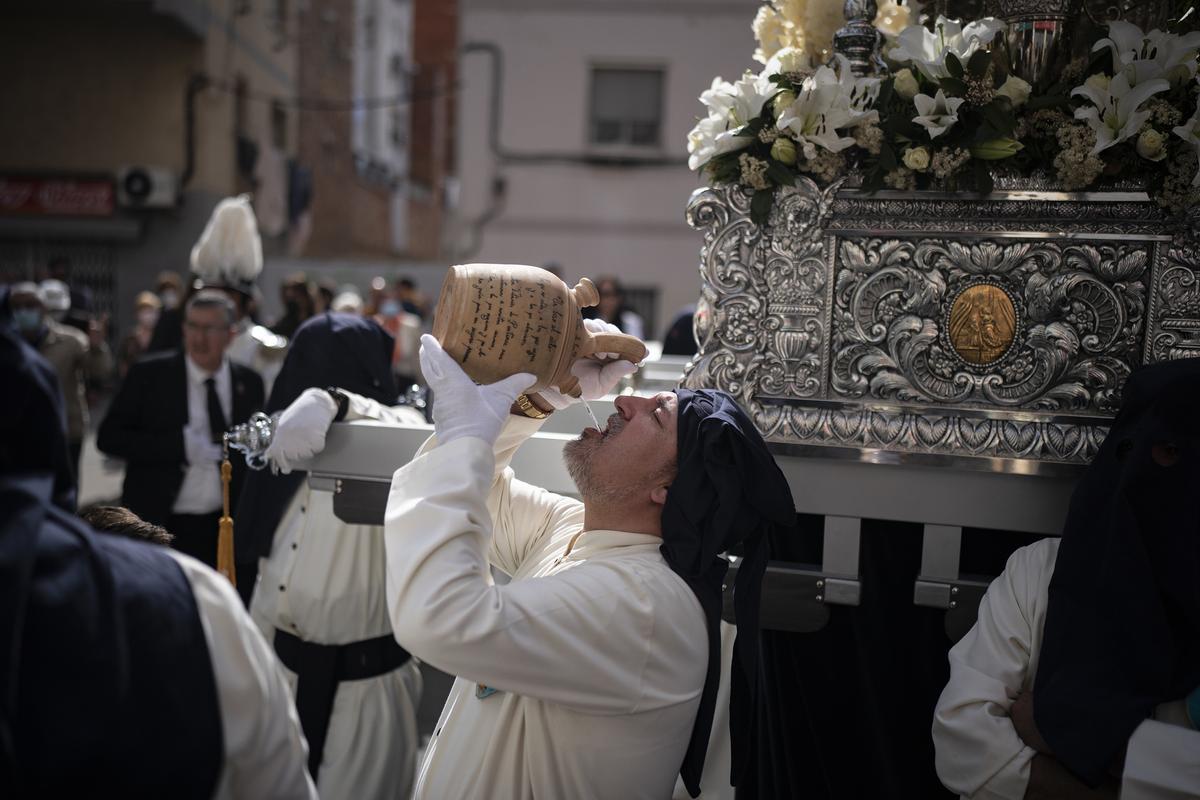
<point x="728" y="493"/>
<point x="331" y="349"/>
<point x="1122" y="629"/>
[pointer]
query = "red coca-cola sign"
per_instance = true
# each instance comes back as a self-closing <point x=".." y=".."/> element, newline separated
<point x="63" y="197"/>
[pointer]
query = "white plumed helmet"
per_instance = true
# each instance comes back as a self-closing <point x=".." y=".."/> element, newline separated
<point x="229" y="252"/>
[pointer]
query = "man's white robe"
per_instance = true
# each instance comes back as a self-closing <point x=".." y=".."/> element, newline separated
<point x="598" y="656"/>
<point x="979" y="754"/>
<point x="324" y="582"/>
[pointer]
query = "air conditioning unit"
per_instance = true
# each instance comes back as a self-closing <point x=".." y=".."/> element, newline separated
<point x="146" y="187"/>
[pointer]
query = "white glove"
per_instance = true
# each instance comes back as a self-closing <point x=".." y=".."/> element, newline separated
<point x="462" y="407"/>
<point x="300" y="431"/>
<point x="199" y="448"/>
<point x="597" y="375"/>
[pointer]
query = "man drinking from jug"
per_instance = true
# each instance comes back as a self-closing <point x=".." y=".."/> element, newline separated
<point x="593" y="673"/>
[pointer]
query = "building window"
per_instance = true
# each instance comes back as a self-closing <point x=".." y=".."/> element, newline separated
<point x="626" y="107"/>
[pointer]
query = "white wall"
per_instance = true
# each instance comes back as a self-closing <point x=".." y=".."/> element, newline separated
<point x="391" y="37"/>
<point x="591" y="219"/>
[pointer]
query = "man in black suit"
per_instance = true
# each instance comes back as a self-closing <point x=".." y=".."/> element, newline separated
<point x="166" y="422"/>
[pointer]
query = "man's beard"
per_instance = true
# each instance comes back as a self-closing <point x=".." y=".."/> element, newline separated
<point x="577" y="455"/>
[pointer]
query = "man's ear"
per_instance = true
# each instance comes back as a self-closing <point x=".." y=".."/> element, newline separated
<point x="658" y="495"/>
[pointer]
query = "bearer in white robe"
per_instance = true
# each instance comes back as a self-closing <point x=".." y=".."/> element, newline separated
<point x="320" y="593"/>
<point x="980" y="753"/>
<point x="594" y="672"/>
<point x="1082" y="639"/>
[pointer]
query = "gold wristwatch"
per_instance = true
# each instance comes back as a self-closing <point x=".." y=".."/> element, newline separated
<point x="530" y="409"/>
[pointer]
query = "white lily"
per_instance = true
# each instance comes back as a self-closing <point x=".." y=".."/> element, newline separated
<point x="927" y="50"/>
<point x="819" y="110"/>
<point x="1190" y="133"/>
<point x="1146" y="56"/>
<point x="936" y="114"/>
<point x="739" y="102"/>
<point x="1114" y="114"/>
<point x="710" y="138"/>
<point x="858" y="93"/>
<point x="730" y="107"/>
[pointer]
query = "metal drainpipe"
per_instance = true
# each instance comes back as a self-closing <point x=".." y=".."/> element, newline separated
<point x="196" y="84"/>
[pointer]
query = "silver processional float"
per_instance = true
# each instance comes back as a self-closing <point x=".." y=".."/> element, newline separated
<point x="933" y="325"/>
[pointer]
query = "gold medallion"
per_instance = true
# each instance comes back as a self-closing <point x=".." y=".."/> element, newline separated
<point x="983" y="323"/>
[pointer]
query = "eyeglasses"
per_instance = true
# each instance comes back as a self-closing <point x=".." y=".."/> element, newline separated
<point x="205" y="330"/>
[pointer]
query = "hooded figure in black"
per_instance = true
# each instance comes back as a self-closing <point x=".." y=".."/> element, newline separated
<point x="329" y="350"/>
<point x="728" y="493"/>
<point x="1122" y="628"/>
<point x="106" y="681"/>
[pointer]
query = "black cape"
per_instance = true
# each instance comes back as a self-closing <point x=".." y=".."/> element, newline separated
<point x="106" y="682"/>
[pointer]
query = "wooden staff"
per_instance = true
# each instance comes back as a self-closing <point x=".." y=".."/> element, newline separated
<point x="225" y="526"/>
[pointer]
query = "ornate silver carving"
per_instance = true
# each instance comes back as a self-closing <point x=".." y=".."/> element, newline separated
<point x="832" y="323"/>
<point x="858" y="40"/>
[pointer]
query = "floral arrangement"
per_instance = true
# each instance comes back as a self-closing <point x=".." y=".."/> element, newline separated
<point x="952" y="114"/>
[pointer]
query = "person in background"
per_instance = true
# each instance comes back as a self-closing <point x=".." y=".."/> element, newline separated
<point x="680" y="338"/>
<point x="167" y="421"/>
<point x="122" y="521"/>
<point x="612" y="308"/>
<point x="376" y="295"/>
<point x="411" y="299"/>
<point x="405" y="328"/>
<point x="128" y="670"/>
<point x="348" y="302"/>
<point x="297" y="295"/>
<point x="321" y="594"/>
<point x="77" y="358"/>
<point x="326" y="291"/>
<point x="146" y="310"/>
<point x="79" y="305"/>
<point x="169" y="289"/>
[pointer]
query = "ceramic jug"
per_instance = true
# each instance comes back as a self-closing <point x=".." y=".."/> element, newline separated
<point x="500" y="319"/>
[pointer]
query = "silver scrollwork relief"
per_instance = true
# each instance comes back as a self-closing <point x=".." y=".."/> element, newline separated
<point x="1002" y="327"/>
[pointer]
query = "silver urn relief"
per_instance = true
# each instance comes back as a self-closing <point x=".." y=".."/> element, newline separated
<point x="1038" y="33"/>
<point x="252" y="438"/>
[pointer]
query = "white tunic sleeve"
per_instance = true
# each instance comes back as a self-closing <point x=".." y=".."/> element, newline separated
<point x="265" y="752"/>
<point x="1162" y="762"/>
<point x="579" y="638"/>
<point x="978" y="751"/>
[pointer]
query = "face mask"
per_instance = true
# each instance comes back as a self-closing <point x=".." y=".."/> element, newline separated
<point x="147" y="317"/>
<point x="169" y="298"/>
<point x="27" y="319"/>
<point x="390" y="308"/>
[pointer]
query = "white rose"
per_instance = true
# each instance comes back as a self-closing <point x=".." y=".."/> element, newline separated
<point x="905" y="84"/>
<point x="1016" y="90"/>
<point x="1152" y="145"/>
<point x="916" y="159"/>
<point x="782" y="101"/>
<point x="1099" y="82"/>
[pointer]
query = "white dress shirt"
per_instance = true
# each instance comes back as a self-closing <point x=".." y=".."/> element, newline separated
<point x="265" y="754"/>
<point x="978" y="751"/>
<point x="324" y="582"/>
<point x="200" y="492"/>
<point x="598" y="656"/>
